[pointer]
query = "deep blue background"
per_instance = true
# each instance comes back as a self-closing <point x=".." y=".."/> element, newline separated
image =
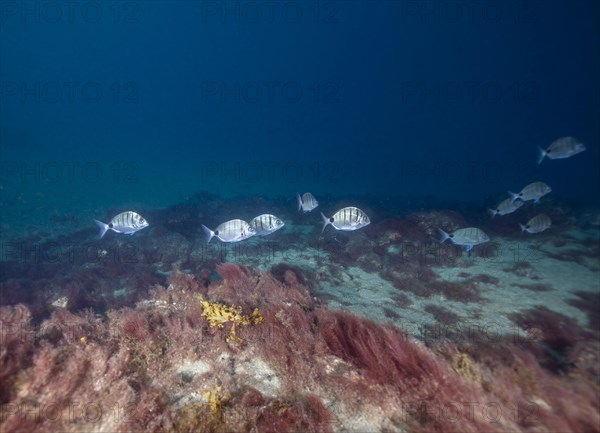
<point x="372" y="120"/>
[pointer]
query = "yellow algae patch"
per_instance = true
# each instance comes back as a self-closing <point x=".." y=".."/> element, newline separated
<point x="219" y="314"/>
<point x="465" y="368"/>
<point x="216" y="399"/>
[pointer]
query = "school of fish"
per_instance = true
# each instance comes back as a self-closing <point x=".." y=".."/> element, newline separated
<point x="352" y="218"/>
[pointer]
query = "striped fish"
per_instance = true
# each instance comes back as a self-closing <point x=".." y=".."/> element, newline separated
<point x="534" y="191"/>
<point x="347" y="219"/>
<point x="266" y="224"/>
<point x="562" y="148"/>
<point x="307" y="202"/>
<point x="126" y="222"/>
<point x="230" y="231"/>
<point x="537" y="224"/>
<point x="467" y="237"/>
<point x="505" y="207"/>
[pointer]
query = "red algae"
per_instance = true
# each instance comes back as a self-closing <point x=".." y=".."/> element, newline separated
<point x="589" y="302"/>
<point x="149" y="367"/>
<point x="16" y="347"/>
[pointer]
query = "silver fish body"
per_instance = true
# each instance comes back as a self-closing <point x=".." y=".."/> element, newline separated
<point x="266" y="224"/>
<point x="506" y="207"/>
<point x="537" y="224"/>
<point x="306" y="202"/>
<point x="564" y="147"/>
<point x="126" y="222"/>
<point x="467" y="237"/>
<point x="347" y="219"/>
<point x="231" y="231"/>
<point x="534" y="191"/>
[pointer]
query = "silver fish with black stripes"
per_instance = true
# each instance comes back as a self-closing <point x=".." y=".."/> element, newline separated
<point x="562" y="148"/>
<point x="126" y="222"/>
<point x="306" y="202"/>
<point x="506" y="207"/>
<point x="534" y="191"/>
<point x="347" y="219"/>
<point x="266" y="224"/>
<point x="537" y="224"/>
<point x="467" y="237"/>
<point x="231" y="231"/>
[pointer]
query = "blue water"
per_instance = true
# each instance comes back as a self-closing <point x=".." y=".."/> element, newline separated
<point x="395" y="98"/>
<point x="421" y="113"/>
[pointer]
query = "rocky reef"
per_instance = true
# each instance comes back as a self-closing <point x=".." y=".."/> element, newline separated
<point x="161" y="366"/>
<point x="159" y="333"/>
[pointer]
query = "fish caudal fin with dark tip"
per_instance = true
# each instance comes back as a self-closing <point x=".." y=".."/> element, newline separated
<point x="103" y="228"/>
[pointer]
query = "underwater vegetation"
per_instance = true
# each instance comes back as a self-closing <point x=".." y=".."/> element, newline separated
<point x="166" y="365"/>
<point x="161" y="334"/>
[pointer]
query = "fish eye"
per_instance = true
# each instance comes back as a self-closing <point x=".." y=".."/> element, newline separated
<point x="331" y="220"/>
<point x="451" y="235"/>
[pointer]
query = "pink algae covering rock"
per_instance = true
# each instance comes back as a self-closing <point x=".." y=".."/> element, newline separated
<point x="305" y="368"/>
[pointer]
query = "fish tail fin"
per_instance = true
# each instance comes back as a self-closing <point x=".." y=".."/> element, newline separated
<point x="443" y="235"/>
<point x="541" y="155"/>
<point x="492" y="212"/>
<point x="513" y="195"/>
<point x="208" y="232"/>
<point x="523" y="228"/>
<point x="326" y="222"/>
<point x="103" y="228"/>
<point x="299" y="201"/>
